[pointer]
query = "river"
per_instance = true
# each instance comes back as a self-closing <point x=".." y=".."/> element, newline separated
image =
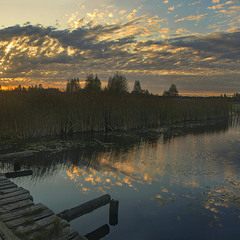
<point x="178" y="182"/>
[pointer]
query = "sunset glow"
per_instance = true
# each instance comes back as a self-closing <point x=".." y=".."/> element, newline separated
<point x="193" y="44"/>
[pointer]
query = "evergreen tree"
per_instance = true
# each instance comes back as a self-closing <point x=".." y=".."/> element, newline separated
<point x="137" y="87"/>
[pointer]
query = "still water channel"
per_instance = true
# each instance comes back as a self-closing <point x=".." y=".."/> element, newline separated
<point x="181" y="182"/>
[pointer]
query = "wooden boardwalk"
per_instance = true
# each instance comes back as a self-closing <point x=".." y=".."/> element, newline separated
<point x="29" y="221"/>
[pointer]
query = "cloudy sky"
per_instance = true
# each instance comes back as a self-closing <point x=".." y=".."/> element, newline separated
<point x="194" y="44"/>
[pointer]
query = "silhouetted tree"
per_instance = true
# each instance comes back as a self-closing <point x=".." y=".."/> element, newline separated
<point x="137" y="87"/>
<point x="73" y="85"/>
<point x="172" y="91"/>
<point x="236" y="97"/>
<point x="92" y="84"/>
<point x="19" y="88"/>
<point x="146" y="92"/>
<point x="117" y="83"/>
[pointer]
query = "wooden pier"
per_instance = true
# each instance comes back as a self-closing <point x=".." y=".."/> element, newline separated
<point x="20" y="218"/>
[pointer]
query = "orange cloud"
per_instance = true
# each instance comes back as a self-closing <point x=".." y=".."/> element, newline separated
<point x="192" y="18"/>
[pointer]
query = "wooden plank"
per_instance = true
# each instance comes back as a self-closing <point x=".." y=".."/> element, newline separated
<point x="5" y="182"/>
<point x="40" y="224"/>
<point x="6" y="234"/>
<point x="15" y="206"/>
<point x="9" y="190"/>
<point x="47" y="233"/>
<point x="18" y="211"/>
<point x="15" y="199"/>
<point x="29" y="219"/>
<point x="22" y="212"/>
<point x="15" y="193"/>
<point x="40" y="234"/>
<point x="10" y="185"/>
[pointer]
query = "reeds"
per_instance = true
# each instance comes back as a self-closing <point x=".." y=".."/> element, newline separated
<point x="48" y="112"/>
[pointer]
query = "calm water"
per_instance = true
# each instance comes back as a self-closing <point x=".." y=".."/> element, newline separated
<point x="178" y="183"/>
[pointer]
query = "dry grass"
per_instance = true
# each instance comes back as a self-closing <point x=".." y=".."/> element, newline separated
<point x="48" y="112"/>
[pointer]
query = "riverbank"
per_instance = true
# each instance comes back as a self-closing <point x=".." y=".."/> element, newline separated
<point x="48" y="112"/>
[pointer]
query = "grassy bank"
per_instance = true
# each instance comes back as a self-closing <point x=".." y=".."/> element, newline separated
<point x="49" y="112"/>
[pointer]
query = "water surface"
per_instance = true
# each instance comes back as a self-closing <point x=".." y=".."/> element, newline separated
<point x="171" y="183"/>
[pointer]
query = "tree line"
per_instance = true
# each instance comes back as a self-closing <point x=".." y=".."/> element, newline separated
<point x="36" y="112"/>
<point x="117" y="84"/>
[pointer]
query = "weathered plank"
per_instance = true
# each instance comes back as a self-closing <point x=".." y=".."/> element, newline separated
<point x="9" y="190"/>
<point x="14" y="199"/>
<point x="6" y="234"/>
<point x="4" y="182"/>
<point x="15" y="206"/>
<point x="40" y="224"/>
<point x="37" y="208"/>
<point x="29" y="219"/>
<point x="15" y="193"/>
<point x="10" y="185"/>
<point x="48" y="233"/>
<point x="85" y="208"/>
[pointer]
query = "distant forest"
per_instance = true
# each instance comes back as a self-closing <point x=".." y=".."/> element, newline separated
<point x="36" y="111"/>
<point x="117" y="84"/>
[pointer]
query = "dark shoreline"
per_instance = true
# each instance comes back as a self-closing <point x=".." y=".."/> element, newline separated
<point x="39" y="113"/>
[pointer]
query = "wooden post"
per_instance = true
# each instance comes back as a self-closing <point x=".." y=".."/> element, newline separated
<point x="98" y="233"/>
<point x="73" y="213"/>
<point x="113" y="213"/>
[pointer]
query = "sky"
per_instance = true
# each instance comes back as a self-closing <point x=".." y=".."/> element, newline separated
<point x="193" y="44"/>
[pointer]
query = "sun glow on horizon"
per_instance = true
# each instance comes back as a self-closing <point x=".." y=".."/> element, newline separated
<point x="101" y="38"/>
